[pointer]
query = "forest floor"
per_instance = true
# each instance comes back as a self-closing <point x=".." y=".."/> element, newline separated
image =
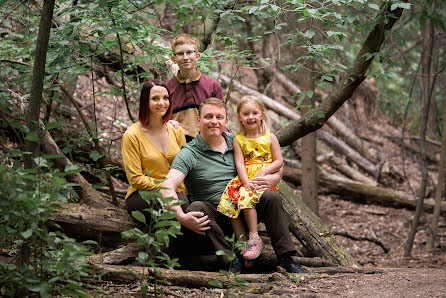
<point x="384" y="272"/>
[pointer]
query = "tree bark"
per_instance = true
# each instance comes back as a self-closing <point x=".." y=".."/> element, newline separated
<point x="33" y="111"/>
<point x="350" y="172"/>
<point x="309" y="148"/>
<point x="341" y="147"/>
<point x="440" y="187"/>
<point x="103" y="225"/>
<point x="426" y="92"/>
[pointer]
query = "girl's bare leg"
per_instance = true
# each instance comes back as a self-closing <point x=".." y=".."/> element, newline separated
<point x="239" y="230"/>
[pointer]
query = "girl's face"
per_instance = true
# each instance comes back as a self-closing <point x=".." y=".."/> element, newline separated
<point x="250" y="115"/>
<point x="158" y="101"/>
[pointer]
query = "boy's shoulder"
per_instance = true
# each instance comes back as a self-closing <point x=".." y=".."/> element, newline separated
<point x="208" y="78"/>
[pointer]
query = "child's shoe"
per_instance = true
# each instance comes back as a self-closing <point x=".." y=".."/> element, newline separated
<point x="254" y="248"/>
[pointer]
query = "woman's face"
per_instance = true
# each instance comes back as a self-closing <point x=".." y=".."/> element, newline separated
<point x="158" y="101"/>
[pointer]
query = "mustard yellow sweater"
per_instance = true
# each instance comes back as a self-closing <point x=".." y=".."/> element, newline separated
<point x="140" y="155"/>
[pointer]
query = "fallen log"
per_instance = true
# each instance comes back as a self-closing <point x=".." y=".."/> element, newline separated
<point x="352" y="190"/>
<point x="127" y="253"/>
<point x="86" y="192"/>
<point x="341" y="147"/>
<point x="103" y="225"/>
<point x="199" y="279"/>
<point x="348" y="171"/>
<point x="182" y="278"/>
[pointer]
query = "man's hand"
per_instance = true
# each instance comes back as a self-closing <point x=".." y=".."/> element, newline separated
<point x="195" y="221"/>
<point x="264" y="183"/>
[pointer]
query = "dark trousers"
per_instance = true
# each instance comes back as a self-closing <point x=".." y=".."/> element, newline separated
<point x="269" y="211"/>
<point x="136" y="202"/>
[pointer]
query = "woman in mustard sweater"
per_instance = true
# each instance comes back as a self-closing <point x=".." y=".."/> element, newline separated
<point x="150" y="144"/>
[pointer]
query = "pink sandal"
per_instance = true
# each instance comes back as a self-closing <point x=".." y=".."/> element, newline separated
<point x="254" y="248"/>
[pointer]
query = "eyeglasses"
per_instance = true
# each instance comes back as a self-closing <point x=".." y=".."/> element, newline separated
<point x="187" y="54"/>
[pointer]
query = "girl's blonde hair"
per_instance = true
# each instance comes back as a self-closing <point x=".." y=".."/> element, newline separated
<point x="264" y="125"/>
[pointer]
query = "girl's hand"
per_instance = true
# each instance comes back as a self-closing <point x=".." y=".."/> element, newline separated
<point x="175" y="123"/>
<point x="249" y="186"/>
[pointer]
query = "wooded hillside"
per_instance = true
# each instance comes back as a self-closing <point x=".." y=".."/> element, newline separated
<point x="352" y="93"/>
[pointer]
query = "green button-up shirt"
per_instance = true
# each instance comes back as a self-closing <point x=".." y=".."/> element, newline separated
<point x="207" y="171"/>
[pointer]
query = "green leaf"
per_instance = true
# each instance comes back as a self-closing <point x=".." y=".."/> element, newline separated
<point x="216" y="284"/>
<point x="139" y="216"/>
<point x="52" y="125"/>
<point x="71" y="169"/>
<point x="400" y="5"/>
<point x="28" y="233"/>
<point x="32" y="137"/>
<point x="95" y="155"/>
<point x="220" y="253"/>
<point x="142" y="255"/>
<point x="309" y="33"/>
<point x="374" y="6"/>
<point x="252" y="9"/>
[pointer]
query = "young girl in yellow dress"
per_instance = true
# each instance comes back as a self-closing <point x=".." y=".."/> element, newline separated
<point x="256" y="154"/>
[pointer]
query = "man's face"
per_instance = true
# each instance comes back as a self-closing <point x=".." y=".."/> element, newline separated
<point x="186" y="56"/>
<point x="212" y="120"/>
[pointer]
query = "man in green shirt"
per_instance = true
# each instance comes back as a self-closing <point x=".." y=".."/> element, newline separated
<point x="206" y="165"/>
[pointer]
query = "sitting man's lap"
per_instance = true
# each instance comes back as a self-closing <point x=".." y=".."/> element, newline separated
<point x="270" y="211"/>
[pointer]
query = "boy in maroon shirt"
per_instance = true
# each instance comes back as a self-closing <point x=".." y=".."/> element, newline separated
<point x="189" y="87"/>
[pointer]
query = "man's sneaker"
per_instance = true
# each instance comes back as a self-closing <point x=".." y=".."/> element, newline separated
<point x="236" y="266"/>
<point x="290" y="266"/>
<point x="254" y="249"/>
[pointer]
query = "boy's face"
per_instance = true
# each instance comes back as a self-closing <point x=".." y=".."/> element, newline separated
<point x="186" y="56"/>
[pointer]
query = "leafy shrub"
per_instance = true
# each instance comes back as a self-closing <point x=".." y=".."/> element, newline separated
<point x="159" y="226"/>
<point x="46" y="262"/>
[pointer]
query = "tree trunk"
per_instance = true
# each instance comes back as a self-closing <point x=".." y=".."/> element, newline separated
<point x="426" y="93"/>
<point x="341" y="147"/>
<point x="440" y="186"/>
<point x="309" y="152"/>
<point x="350" y="172"/>
<point x="33" y="111"/>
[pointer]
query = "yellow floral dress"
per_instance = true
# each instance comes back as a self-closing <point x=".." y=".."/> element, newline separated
<point x="257" y="155"/>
